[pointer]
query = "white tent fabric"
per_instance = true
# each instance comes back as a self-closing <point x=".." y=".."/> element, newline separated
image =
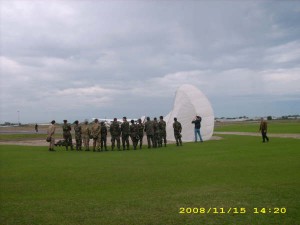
<point x="189" y="102"/>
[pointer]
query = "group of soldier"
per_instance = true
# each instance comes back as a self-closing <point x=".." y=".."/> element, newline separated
<point x="155" y="132"/>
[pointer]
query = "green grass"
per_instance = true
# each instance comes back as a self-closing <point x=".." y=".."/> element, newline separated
<point x="150" y="186"/>
<point x="288" y="126"/>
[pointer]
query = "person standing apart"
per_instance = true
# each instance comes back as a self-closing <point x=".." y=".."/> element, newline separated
<point x="264" y="128"/>
<point x="50" y="135"/>
<point x="177" y="132"/>
<point x="67" y="135"/>
<point x="197" y="122"/>
<point x="86" y="135"/>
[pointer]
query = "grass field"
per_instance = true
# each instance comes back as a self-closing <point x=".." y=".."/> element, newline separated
<point x="274" y="126"/>
<point x="149" y="187"/>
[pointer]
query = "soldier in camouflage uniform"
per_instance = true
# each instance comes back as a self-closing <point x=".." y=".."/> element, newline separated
<point x="86" y="133"/>
<point x="115" y="133"/>
<point x="134" y="134"/>
<point x="177" y="131"/>
<point x="140" y="128"/>
<point x="96" y="135"/>
<point x="162" y="128"/>
<point x="156" y="133"/>
<point x="149" y="131"/>
<point x="125" y="129"/>
<point x="103" y="136"/>
<point x="77" y="129"/>
<point x="67" y="135"/>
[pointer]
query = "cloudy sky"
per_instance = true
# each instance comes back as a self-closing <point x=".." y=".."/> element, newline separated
<point x="86" y="58"/>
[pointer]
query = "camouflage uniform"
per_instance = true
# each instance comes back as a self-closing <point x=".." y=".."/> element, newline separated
<point x="50" y="134"/>
<point x="115" y="133"/>
<point x="177" y="132"/>
<point x="86" y="133"/>
<point x="96" y="135"/>
<point x="149" y="132"/>
<point x="140" y="128"/>
<point x="67" y="135"/>
<point x="134" y="134"/>
<point x="264" y="128"/>
<point x="77" y="129"/>
<point x="156" y="133"/>
<point x="103" y="136"/>
<point x="125" y="129"/>
<point x="163" y="133"/>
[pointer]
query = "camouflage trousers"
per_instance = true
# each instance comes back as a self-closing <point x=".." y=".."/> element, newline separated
<point x="86" y="142"/>
<point x="178" y="138"/>
<point x="113" y="140"/>
<point x="125" y="141"/>
<point x="96" y="143"/>
<point x="68" y="141"/>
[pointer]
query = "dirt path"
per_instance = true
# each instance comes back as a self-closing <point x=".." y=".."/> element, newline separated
<point x="296" y="136"/>
<point x="44" y="143"/>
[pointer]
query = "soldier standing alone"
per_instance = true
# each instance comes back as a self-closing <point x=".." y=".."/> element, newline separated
<point x="177" y="132"/>
<point x="264" y="128"/>
<point x="67" y="135"/>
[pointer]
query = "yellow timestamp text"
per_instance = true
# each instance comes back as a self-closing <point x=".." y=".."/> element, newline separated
<point x="232" y="210"/>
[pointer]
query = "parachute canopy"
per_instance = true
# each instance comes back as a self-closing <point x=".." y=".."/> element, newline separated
<point x="189" y="103"/>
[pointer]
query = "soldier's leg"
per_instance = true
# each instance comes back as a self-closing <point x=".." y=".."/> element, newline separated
<point x="70" y="142"/>
<point x="118" y="143"/>
<point x="94" y="144"/>
<point x="52" y="142"/>
<point x="123" y="141"/>
<point x="98" y="143"/>
<point x="113" y="139"/>
<point x="127" y="141"/>
<point x="104" y="142"/>
<point x="148" y="140"/>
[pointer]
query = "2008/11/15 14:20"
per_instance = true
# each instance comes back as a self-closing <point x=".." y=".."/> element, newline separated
<point x="202" y="210"/>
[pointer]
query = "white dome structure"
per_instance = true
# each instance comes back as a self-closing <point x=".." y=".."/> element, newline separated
<point x="189" y="102"/>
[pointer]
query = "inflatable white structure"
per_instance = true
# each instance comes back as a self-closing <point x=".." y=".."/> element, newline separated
<point x="189" y="102"/>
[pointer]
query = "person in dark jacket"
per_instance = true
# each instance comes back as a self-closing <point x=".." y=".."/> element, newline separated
<point x="197" y="122"/>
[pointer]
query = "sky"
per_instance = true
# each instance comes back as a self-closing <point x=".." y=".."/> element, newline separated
<point x="82" y="59"/>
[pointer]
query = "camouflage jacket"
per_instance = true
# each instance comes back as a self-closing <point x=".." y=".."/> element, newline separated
<point x="140" y="128"/>
<point x="115" y="129"/>
<point x="125" y="128"/>
<point x="149" y="128"/>
<point x="134" y="130"/>
<point x="162" y="126"/>
<point x="95" y="131"/>
<point x="66" y="129"/>
<point x="85" y="130"/>
<point x="177" y="127"/>
<point x="77" y="129"/>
